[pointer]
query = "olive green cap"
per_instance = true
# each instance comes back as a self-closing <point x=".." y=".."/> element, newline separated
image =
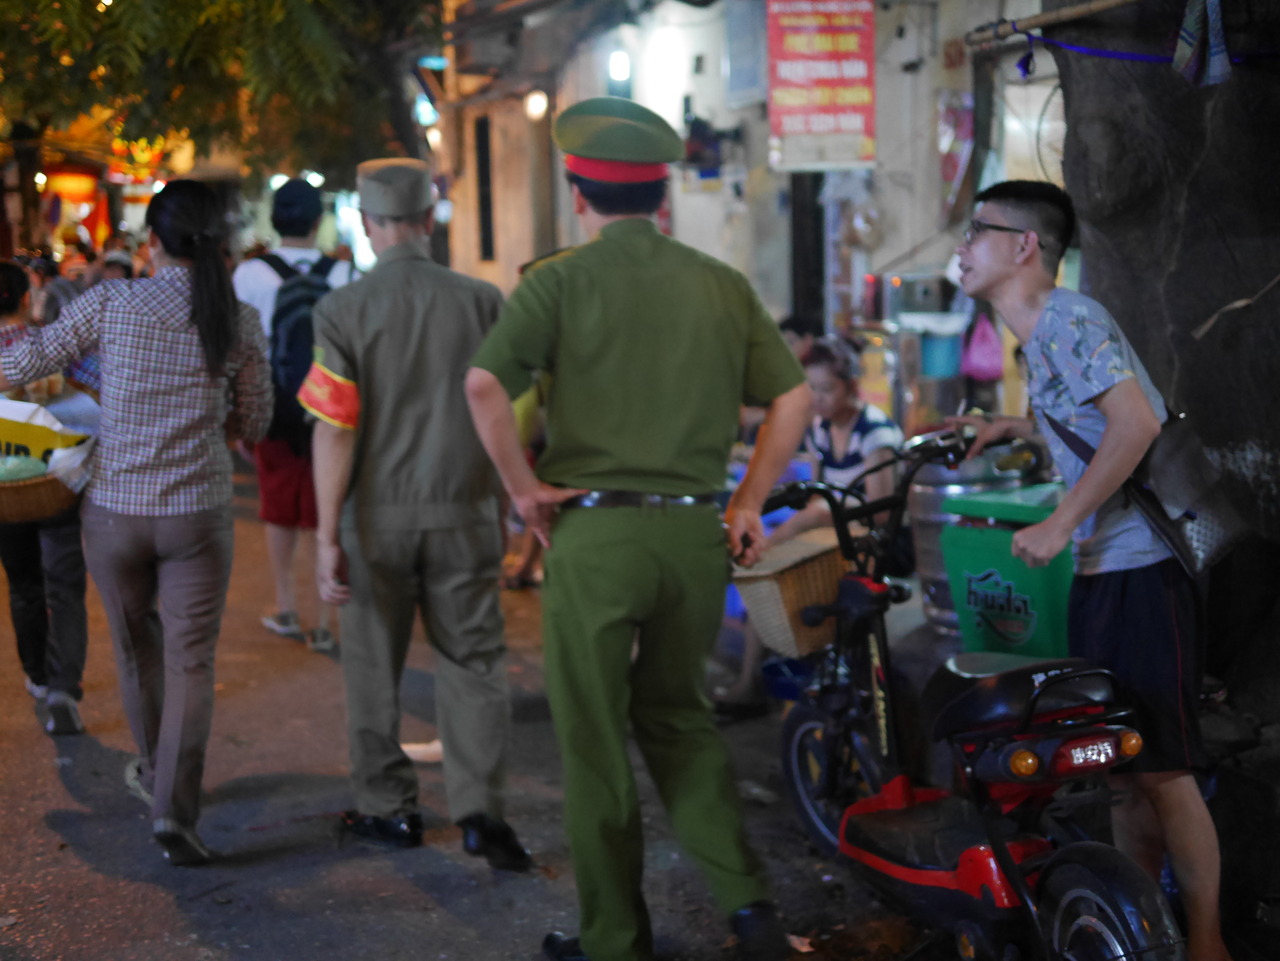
<point x="394" y="186"/>
<point x="618" y="129"/>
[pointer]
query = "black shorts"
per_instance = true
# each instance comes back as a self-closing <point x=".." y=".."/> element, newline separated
<point x="1143" y="625"/>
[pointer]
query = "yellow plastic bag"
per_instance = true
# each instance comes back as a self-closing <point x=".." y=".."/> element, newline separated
<point x="28" y="430"/>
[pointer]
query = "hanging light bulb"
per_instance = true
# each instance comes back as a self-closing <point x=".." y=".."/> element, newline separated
<point x="535" y="105"/>
<point x="619" y="66"/>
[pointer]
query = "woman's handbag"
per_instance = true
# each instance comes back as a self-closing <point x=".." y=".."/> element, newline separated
<point x="1180" y="493"/>
<point x="983" y="356"/>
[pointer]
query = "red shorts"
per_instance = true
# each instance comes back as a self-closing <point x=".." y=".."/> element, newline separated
<point x="286" y="490"/>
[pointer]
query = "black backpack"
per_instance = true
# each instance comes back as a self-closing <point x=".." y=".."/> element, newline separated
<point x="292" y="339"/>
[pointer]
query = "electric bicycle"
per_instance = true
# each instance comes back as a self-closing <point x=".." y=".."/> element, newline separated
<point x="1002" y="860"/>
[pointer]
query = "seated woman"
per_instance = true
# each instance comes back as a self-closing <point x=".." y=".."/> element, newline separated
<point x="847" y="438"/>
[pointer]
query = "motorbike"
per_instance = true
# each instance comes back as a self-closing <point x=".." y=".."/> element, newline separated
<point x="1004" y="859"/>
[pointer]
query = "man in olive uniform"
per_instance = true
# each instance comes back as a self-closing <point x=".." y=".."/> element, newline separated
<point x="651" y="347"/>
<point x="408" y="518"/>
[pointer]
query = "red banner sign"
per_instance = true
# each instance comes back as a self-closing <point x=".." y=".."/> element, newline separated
<point x="822" y="90"/>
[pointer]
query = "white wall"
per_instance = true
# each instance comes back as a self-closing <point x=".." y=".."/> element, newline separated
<point x="742" y="217"/>
<point x="907" y="182"/>
<point x="510" y="142"/>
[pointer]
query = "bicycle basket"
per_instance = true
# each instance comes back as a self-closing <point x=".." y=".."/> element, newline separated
<point x="793" y="576"/>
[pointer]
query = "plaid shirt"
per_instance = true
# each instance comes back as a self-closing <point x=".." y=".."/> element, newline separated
<point x="162" y="449"/>
<point x="85" y="372"/>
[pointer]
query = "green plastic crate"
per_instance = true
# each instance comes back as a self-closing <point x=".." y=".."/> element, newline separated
<point x="1002" y="604"/>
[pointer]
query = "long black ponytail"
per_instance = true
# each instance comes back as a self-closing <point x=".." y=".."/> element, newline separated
<point x="189" y="220"/>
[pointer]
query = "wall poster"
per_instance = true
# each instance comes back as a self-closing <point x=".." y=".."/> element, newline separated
<point x="822" y="89"/>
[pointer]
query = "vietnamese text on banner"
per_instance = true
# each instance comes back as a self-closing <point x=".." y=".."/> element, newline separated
<point x="822" y="85"/>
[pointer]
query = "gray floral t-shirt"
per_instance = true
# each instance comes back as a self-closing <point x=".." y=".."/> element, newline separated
<point x="1076" y="353"/>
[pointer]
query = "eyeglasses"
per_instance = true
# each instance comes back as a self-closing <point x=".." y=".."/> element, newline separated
<point x="976" y="227"/>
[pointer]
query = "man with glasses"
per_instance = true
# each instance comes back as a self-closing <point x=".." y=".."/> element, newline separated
<point x="1132" y="608"/>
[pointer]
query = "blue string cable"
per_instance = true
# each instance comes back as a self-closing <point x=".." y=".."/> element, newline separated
<point x="1027" y="62"/>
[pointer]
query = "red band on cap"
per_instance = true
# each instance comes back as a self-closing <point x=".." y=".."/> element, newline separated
<point x="615" y="171"/>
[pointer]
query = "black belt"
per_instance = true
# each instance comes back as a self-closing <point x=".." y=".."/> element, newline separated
<point x="636" y="499"/>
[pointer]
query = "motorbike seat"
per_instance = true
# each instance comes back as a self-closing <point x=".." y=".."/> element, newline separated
<point x="982" y="690"/>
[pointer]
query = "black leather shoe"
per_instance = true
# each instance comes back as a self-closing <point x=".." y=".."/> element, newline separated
<point x="761" y="936"/>
<point x="182" y="846"/>
<point x="561" y="947"/>
<point x="491" y="838"/>
<point x="404" y="831"/>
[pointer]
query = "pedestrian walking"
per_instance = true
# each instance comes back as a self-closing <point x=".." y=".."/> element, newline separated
<point x="283" y="284"/>
<point x="653" y="347"/>
<point x="408" y="518"/>
<point x="184" y="370"/>
<point x="1132" y="607"/>
<point x="45" y="568"/>
<point x="51" y="292"/>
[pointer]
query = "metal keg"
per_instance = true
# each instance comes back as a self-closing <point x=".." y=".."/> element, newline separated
<point x="932" y="485"/>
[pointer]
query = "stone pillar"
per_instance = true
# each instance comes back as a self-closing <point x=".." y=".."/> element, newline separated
<point x="1178" y="192"/>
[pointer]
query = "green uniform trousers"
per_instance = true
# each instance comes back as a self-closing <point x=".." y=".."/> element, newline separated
<point x="450" y="576"/>
<point x="632" y="604"/>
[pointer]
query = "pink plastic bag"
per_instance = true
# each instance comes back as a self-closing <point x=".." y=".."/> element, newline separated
<point x="983" y="357"/>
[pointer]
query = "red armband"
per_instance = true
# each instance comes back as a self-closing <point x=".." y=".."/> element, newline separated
<point x="335" y="400"/>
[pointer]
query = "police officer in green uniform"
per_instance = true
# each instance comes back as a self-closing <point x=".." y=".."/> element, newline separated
<point x="651" y="347"/>
<point x="408" y="511"/>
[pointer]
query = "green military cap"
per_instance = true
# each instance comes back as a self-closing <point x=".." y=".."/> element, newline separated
<point x="394" y="186"/>
<point x="616" y="140"/>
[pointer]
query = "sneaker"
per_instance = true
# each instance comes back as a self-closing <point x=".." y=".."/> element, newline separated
<point x="321" y="640"/>
<point x="64" y="715"/>
<point x="133" y="781"/>
<point x="38" y="691"/>
<point x="285" y="623"/>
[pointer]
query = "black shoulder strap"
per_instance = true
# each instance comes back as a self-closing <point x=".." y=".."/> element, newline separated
<point x="279" y="265"/>
<point x="322" y="267"/>
<point x="1075" y="443"/>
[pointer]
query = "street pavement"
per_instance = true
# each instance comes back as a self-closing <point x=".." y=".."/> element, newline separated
<point x="81" y="879"/>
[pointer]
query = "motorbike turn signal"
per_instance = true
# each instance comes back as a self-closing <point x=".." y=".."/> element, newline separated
<point x="1024" y="763"/>
<point x="1130" y="744"/>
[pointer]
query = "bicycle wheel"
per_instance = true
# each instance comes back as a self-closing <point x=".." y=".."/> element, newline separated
<point x="1097" y="905"/>
<point x="807" y="758"/>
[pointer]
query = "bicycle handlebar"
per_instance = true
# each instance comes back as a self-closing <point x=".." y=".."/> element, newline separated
<point x="946" y="445"/>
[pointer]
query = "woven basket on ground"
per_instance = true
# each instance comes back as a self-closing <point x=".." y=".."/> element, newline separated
<point x="794" y="575"/>
<point x="34" y="499"/>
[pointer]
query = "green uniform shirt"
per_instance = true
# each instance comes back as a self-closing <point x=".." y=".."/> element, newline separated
<point x="403" y="334"/>
<point x="652" y="346"/>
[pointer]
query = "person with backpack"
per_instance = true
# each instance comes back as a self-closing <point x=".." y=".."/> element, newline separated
<point x="284" y="285"/>
<point x="1132" y="608"/>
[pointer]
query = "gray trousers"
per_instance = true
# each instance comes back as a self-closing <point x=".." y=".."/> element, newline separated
<point x="450" y="577"/>
<point x="163" y="582"/>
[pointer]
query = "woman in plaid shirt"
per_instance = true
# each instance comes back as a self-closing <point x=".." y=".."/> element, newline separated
<point x="184" y="370"/>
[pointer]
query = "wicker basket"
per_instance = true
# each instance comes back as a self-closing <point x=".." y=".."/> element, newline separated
<point x="34" y="499"/>
<point x="793" y="576"/>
